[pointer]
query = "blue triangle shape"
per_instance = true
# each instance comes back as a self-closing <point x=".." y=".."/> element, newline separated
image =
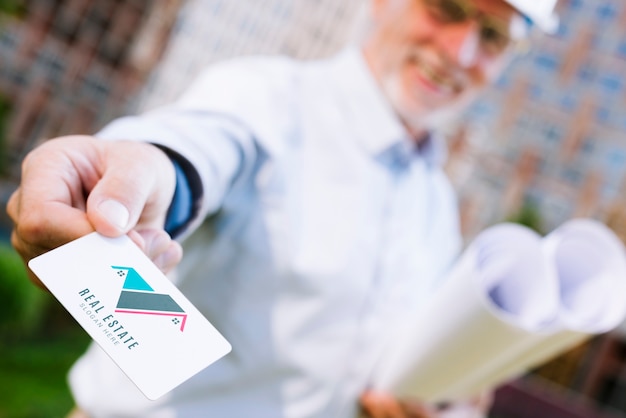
<point x="133" y="280"/>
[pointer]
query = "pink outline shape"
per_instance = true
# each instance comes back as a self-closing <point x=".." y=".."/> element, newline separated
<point x="182" y="326"/>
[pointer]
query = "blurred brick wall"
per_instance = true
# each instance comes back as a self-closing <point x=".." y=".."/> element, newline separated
<point x="69" y="66"/>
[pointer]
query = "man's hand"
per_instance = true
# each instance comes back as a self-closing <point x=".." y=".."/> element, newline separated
<point x="382" y="405"/>
<point x="75" y="185"/>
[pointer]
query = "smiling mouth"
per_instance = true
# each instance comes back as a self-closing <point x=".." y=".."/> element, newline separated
<point x="435" y="79"/>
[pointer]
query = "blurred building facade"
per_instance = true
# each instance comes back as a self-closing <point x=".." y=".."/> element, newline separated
<point x="212" y="30"/>
<point x="547" y="140"/>
<point x="551" y="133"/>
<point x="69" y="66"/>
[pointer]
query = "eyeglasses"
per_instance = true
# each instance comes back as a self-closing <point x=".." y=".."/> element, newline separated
<point x="496" y="34"/>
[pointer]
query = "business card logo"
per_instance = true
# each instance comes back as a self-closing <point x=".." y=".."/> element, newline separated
<point x="139" y="298"/>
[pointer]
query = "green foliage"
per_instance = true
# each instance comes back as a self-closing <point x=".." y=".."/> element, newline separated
<point x="12" y="7"/>
<point x="33" y="377"/>
<point x="529" y="215"/>
<point x="22" y="304"/>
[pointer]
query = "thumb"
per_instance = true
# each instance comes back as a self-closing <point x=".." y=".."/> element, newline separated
<point x="135" y="189"/>
<point x="112" y="217"/>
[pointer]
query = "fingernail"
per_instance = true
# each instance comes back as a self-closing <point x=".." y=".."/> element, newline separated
<point x="115" y="213"/>
<point x="157" y="244"/>
<point x="167" y="260"/>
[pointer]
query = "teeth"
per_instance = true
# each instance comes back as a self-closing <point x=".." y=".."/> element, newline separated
<point x="437" y="78"/>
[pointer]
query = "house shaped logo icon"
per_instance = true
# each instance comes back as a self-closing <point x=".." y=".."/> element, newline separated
<point x="139" y="298"/>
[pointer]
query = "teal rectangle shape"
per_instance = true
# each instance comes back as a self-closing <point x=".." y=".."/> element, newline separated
<point x="148" y="302"/>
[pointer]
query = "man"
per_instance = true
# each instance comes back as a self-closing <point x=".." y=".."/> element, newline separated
<point x="327" y="213"/>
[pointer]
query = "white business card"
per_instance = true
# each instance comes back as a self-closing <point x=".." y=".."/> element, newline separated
<point x="132" y="310"/>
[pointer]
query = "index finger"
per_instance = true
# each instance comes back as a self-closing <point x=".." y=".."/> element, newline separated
<point x="41" y="224"/>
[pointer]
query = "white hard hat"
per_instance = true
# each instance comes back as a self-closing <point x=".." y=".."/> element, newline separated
<point x="540" y="12"/>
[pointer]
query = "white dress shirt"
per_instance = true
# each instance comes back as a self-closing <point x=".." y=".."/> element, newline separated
<point x="322" y="223"/>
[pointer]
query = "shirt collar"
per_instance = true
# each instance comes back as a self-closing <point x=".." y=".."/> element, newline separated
<point x="379" y="130"/>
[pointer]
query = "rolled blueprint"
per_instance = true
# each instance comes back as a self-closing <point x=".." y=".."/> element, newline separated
<point x="501" y="293"/>
<point x="547" y="296"/>
<point x="591" y="266"/>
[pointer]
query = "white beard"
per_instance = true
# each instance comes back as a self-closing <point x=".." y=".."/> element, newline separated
<point x="423" y="120"/>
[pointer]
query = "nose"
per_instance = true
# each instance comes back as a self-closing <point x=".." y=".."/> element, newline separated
<point x="461" y="43"/>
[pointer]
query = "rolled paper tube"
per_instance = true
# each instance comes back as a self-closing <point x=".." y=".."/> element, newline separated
<point x="499" y="295"/>
<point x="590" y="264"/>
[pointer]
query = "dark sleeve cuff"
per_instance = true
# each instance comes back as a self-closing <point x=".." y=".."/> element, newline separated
<point x="187" y="197"/>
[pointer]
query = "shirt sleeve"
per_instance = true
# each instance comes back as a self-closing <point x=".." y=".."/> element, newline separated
<point x="230" y="115"/>
<point x="213" y="152"/>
